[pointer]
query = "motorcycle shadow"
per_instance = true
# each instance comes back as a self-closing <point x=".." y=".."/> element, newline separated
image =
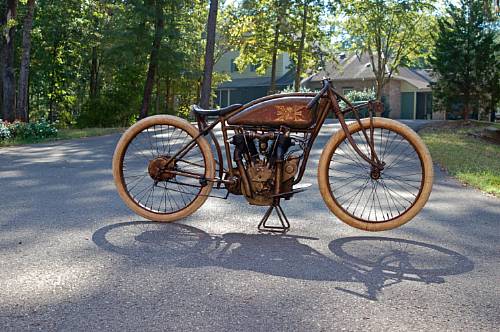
<point x="375" y="262"/>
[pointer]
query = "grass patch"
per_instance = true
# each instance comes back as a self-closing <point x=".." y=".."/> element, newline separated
<point x="472" y="160"/>
<point x="64" y="134"/>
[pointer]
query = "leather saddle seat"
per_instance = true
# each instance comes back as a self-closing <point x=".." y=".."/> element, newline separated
<point x="215" y="112"/>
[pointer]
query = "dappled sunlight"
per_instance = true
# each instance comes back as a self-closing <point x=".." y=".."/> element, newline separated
<point x="49" y="265"/>
<point x="10" y="174"/>
<point x="48" y="283"/>
<point x="68" y="241"/>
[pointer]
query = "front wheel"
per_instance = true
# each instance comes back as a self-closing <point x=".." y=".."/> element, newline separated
<point x="158" y="173"/>
<point x="369" y="199"/>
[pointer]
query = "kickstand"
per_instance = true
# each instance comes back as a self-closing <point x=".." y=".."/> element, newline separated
<point x="285" y="225"/>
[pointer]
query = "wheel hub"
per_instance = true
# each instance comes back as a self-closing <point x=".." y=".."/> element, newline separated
<point x="160" y="168"/>
<point x="375" y="174"/>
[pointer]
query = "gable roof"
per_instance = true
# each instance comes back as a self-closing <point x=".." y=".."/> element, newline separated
<point x="356" y="67"/>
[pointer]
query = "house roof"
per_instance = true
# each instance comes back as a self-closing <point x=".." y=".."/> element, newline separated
<point x="357" y="67"/>
<point x="284" y="80"/>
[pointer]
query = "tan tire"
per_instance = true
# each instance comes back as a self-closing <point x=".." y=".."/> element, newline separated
<point x="148" y="141"/>
<point x="365" y="199"/>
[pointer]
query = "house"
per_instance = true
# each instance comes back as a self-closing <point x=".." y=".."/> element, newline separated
<point x="247" y="85"/>
<point x="408" y="92"/>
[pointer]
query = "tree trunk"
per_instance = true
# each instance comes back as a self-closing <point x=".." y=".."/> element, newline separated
<point x="381" y="81"/>
<point x="153" y="59"/>
<point x="52" y="116"/>
<point x="379" y="73"/>
<point x="2" y="49"/>
<point x="158" y="91"/>
<point x="94" y="65"/>
<point x="172" y="98"/>
<point x="466" y="109"/>
<point x="492" y="109"/>
<point x="272" y="87"/>
<point x="206" y="84"/>
<point x="7" y="63"/>
<point x="167" y="95"/>
<point x="94" y="74"/>
<point x="22" y="102"/>
<point x="300" y="52"/>
<point x="378" y="90"/>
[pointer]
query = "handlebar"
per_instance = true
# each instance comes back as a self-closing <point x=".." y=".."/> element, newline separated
<point x="326" y="86"/>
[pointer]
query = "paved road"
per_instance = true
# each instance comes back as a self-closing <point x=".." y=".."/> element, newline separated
<point x="73" y="257"/>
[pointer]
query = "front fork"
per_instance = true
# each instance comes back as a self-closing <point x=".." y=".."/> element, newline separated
<point x="377" y="166"/>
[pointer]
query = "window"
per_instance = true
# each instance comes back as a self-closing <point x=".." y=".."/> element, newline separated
<point x="234" y="68"/>
<point x="223" y="98"/>
<point x="253" y="68"/>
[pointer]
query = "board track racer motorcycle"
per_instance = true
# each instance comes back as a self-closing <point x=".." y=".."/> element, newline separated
<point x="374" y="174"/>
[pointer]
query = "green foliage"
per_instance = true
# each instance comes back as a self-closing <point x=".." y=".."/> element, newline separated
<point x="262" y="27"/>
<point x="290" y="89"/>
<point x="357" y="97"/>
<point x="89" y="59"/>
<point x="392" y="32"/>
<point x="466" y="58"/>
<point x="472" y="160"/>
<point x="4" y="131"/>
<point x="27" y="131"/>
<point x="58" y="57"/>
<point x="107" y="112"/>
<point x="360" y="95"/>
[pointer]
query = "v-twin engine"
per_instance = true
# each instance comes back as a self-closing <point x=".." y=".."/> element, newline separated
<point x="265" y="170"/>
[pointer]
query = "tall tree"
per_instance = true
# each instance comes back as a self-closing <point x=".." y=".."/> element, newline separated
<point x="153" y="58"/>
<point x="260" y="31"/>
<point x="93" y="61"/>
<point x="467" y="58"/>
<point x="308" y="35"/>
<point x="7" y="61"/>
<point x="300" y="53"/>
<point x="264" y="29"/>
<point x="392" y="32"/>
<point x="23" y="87"/>
<point x="58" y="74"/>
<point x="206" y="85"/>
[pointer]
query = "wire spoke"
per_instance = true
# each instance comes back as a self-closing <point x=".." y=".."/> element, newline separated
<point x="370" y="196"/>
<point x="170" y="195"/>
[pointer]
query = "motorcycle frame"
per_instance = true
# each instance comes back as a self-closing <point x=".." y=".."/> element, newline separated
<point x="330" y="105"/>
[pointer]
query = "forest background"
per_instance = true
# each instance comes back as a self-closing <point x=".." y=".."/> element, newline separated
<point x="106" y="63"/>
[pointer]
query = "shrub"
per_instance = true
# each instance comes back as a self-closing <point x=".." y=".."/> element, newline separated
<point x="364" y="95"/>
<point x="109" y="111"/>
<point x="43" y="129"/>
<point x="290" y="89"/>
<point x="357" y="97"/>
<point x="28" y="131"/>
<point x="4" y="131"/>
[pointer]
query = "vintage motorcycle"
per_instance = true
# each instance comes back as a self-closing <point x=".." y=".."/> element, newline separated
<point x="374" y="174"/>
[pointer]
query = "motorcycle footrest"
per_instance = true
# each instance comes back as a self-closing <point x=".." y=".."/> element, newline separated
<point x="298" y="189"/>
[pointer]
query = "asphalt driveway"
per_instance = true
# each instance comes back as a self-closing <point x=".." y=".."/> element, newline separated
<point x="73" y="257"/>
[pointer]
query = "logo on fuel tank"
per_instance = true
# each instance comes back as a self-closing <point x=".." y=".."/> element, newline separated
<point x="289" y="113"/>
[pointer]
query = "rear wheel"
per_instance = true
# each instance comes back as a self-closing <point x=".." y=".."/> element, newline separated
<point x="151" y="179"/>
<point x="369" y="199"/>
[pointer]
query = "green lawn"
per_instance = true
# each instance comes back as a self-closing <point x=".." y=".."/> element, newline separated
<point x="64" y="134"/>
<point x="472" y="160"/>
